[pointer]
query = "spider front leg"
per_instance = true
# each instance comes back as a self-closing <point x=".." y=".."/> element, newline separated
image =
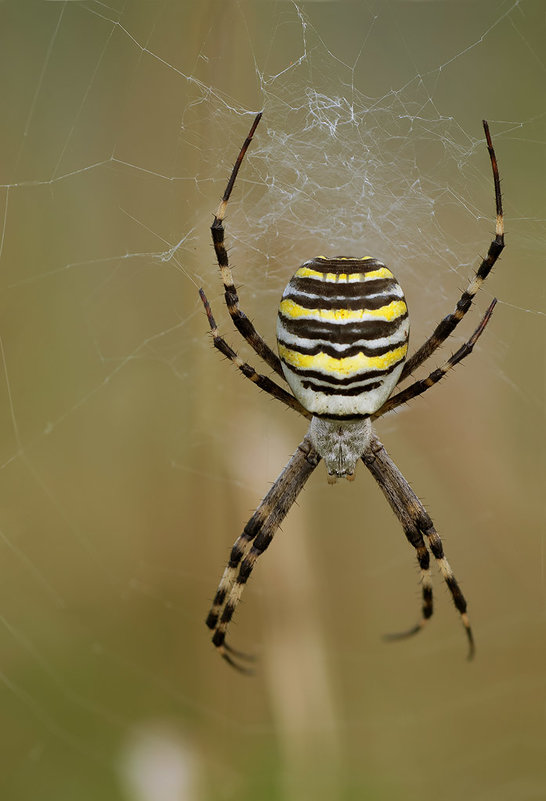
<point x="255" y="539"/>
<point x="417" y="524"/>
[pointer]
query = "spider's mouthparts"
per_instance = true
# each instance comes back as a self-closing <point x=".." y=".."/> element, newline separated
<point x="333" y="477"/>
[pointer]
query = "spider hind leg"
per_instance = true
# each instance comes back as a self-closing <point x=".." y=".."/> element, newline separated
<point x="446" y="326"/>
<point x="240" y="320"/>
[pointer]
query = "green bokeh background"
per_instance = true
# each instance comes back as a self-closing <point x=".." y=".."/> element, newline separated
<point x="132" y="457"/>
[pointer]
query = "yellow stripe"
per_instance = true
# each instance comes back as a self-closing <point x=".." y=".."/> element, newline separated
<point x="306" y="272"/>
<point x="345" y="366"/>
<point x="342" y="258"/>
<point x="390" y="312"/>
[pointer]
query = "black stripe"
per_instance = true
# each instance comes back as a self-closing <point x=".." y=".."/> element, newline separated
<point x="458" y="597"/>
<point x="350" y="416"/>
<point x="349" y="350"/>
<point x="327" y="289"/>
<point x="342" y="333"/>
<point x="338" y="265"/>
<point x="218" y="638"/>
<point x="346" y="392"/>
<point x="362" y="376"/>
<point x="363" y="302"/>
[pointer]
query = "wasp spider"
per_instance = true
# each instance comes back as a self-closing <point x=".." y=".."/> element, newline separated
<point x="342" y="336"/>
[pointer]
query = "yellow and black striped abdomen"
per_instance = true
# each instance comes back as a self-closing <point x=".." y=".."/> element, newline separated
<point x="342" y="334"/>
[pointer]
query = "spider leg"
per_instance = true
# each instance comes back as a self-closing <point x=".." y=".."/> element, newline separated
<point x="449" y="323"/>
<point x="421" y="386"/>
<point x="417" y="524"/>
<point x="254" y="540"/>
<point x="241" y="321"/>
<point x="261" y="381"/>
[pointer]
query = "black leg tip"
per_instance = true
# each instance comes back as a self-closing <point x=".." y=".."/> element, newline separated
<point x="212" y="620"/>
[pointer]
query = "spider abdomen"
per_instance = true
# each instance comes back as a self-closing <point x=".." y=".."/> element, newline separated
<point x="342" y="335"/>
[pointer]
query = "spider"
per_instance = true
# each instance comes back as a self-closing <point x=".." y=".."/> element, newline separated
<point x="342" y="337"/>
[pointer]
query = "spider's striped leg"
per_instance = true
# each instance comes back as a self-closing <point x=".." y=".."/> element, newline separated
<point x="241" y="321"/>
<point x="254" y="540"/>
<point x="255" y="525"/>
<point x="448" y="324"/>
<point x="421" y="386"/>
<point x="407" y="505"/>
<point x="261" y="381"/>
<point x="387" y="476"/>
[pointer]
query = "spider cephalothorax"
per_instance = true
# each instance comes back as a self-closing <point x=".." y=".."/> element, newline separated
<point x="342" y="336"/>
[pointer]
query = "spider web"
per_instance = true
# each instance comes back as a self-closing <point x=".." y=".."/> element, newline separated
<point x="132" y="456"/>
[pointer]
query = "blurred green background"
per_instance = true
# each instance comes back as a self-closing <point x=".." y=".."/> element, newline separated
<point x="132" y="456"/>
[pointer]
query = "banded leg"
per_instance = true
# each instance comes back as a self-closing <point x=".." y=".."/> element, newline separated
<point x="414" y="518"/>
<point x="261" y="381"/>
<point x="421" y="386"/>
<point x="449" y="323"/>
<point x="387" y="480"/>
<point x="254" y="540"/>
<point x="241" y="321"/>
